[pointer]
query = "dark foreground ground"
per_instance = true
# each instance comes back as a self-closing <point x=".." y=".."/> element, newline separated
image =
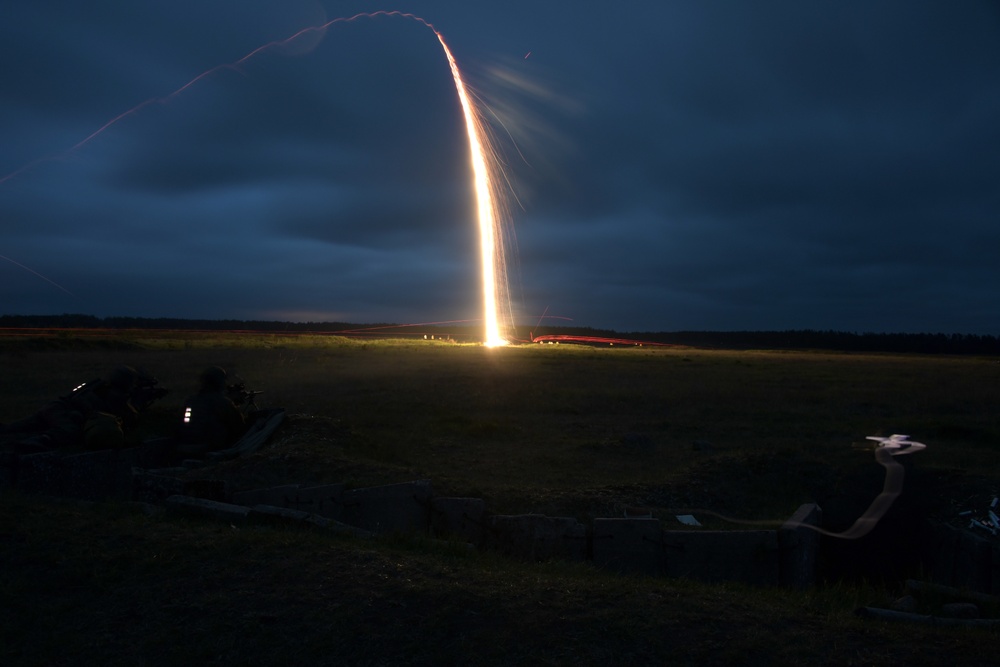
<point x="114" y="585"/>
<point x="563" y="432"/>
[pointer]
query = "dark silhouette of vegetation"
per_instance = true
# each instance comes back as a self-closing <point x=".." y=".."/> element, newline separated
<point x="922" y="343"/>
<point x="78" y="321"/>
<point x="805" y="339"/>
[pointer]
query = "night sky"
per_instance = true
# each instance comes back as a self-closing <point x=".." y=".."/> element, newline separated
<point x="673" y="164"/>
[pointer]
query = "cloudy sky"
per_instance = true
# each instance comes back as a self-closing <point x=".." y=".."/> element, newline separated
<point x="672" y="164"/>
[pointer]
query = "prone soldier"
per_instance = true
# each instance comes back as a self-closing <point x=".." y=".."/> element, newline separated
<point x="212" y="420"/>
<point x="95" y="415"/>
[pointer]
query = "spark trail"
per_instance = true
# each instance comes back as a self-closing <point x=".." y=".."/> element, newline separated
<point x="218" y="68"/>
<point x="30" y="270"/>
<point x="490" y="245"/>
<point x="486" y="170"/>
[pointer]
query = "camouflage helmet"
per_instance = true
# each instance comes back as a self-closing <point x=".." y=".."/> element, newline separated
<point x="213" y="377"/>
<point x="144" y="376"/>
<point x="123" y="378"/>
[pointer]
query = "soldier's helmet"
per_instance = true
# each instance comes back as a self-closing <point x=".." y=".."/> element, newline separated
<point x="144" y="376"/>
<point x="213" y="378"/>
<point x="123" y="378"/>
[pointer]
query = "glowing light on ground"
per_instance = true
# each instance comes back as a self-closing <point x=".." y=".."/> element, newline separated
<point x="490" y="208"/>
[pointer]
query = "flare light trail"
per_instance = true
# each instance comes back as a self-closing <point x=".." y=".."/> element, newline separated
<point x="30" y="270"/>
<point x="491" y="212"/>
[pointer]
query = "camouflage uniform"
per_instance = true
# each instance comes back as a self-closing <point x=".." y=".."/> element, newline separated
<point x="211" y="420"/>
<point x="108" y="409"/>
<point x="93" y="415"/>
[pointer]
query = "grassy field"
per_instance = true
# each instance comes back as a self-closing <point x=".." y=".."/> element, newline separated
<point x="559" y="430"/>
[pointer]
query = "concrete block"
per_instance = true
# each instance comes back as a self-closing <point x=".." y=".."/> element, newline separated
<point x="462" y="518"/>
<point x="209" y="489"/>
<point x="973" y="562"/>
<point x="326" y="500"/>
<point x="799" y="547"/>
<point x="270" y="515"/>
<point x="274" y="495"/>
<point x="629" y="545"/>
<point x="749" y="556"/>
<point x="395" y="508"/>
<point x="150" y="487"/>
<point x="155" y="487"/>
<point x="212" y="509"/>
<point x="538" y="537"/>
<point x="959" y="558"/>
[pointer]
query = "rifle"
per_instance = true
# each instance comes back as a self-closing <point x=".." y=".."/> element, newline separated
<point x="141" y="397"/>
<point x="239" y="394"/>
<point x="146" y="392"/>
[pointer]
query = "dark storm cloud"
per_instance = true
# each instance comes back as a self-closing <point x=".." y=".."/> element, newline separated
<point x="673" y="165"/>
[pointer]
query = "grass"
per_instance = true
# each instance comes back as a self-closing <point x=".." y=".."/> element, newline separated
<point x="561" y="430"/>
<point x="127" y="588"/>
<point x="123" y="587"/>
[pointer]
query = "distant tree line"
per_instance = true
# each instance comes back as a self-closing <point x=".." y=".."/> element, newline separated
<point x="923" y="343"/>
<point x="805" y="339"/>
<point x="77" y="321"/>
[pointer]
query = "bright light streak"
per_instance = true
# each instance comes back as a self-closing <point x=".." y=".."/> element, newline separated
<point x="491" y="213"/>
<point x="30" y="270"/>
